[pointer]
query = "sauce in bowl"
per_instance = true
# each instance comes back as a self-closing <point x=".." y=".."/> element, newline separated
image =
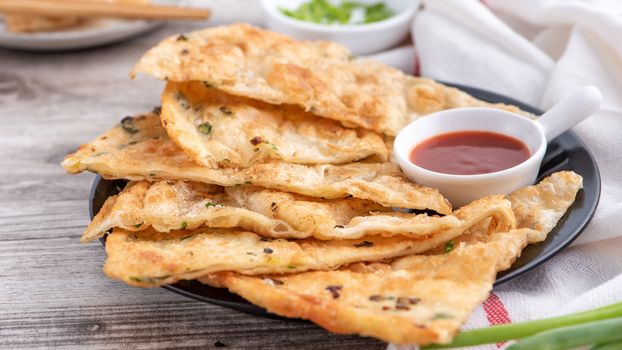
<point x="469" y="153"/>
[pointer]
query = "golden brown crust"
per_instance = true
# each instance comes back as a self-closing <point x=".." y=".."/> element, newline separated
<point x="168" y="205"/>
<point x="322" y="77"/>
<point x="139" y="149"/>
<point x="220" y="130"/>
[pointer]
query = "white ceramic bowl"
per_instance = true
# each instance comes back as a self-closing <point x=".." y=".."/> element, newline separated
<point x="361" y="39"/>
<point x="463" y="189"/>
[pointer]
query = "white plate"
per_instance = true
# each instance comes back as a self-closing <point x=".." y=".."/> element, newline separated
<point x="97" y="32"/>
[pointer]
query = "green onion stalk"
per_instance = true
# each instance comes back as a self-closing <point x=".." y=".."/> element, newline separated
<point x="502" y="333"/>
<point x="570" y="337"/>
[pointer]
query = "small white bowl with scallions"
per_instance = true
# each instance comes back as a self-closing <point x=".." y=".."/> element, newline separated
<point x="364" y="26"/>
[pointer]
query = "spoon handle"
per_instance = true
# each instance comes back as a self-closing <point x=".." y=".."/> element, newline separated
<point x="570" y="111"/>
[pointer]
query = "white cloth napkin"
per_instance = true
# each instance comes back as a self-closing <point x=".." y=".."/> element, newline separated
<point x="539" y="51"/>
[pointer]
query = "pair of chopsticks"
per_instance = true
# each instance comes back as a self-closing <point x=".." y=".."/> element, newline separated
<point x="99" y="9"/>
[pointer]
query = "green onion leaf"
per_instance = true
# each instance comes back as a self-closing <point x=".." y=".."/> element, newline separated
<point x="149" y="279"/>
<point x="615" y="345"/>
<point x="327" y="12"/>
<point x="573" y="336"/>
<point x="520" y="330"/>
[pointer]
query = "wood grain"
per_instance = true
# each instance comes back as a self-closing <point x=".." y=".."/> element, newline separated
<point x="52" y="290"/>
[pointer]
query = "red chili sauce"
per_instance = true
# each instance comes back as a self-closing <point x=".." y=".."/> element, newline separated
<point x="469" y="153"/>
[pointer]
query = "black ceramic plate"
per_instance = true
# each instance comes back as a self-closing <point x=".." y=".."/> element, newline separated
<point x="566" y="152"/>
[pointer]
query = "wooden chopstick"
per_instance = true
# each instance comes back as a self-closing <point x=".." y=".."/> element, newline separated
<point x="99" y="9"/>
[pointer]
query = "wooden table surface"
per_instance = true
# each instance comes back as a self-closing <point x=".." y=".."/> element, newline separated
<point x="53" y="292"/>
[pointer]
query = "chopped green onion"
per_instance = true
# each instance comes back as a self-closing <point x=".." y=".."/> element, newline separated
<point x="441" y="316"/>
<point x="326" y="12"/>
<point x="149" y="279"/>
<point x="449" y="246"/>
<point x="205" y="128"/>
<point x="377" y="12"/>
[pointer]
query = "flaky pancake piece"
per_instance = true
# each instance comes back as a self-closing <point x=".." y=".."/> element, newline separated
<point x="138" y="148"/>
<point x="418" y="299"/>
<point x="221" y="130"/>
<point x="322" y="77"/>
<point x="540" y="207"/>
<point x="149" y="258"/>
<point x="426" y="303"/>
<point x="167" y="206"/>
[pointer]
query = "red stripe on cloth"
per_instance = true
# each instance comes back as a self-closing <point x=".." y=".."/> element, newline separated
<point x="496" y="313"/>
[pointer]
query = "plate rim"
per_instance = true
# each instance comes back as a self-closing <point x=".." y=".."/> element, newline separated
<point x="489" y="95"/>
<point x="117" y="30"/>
<point x="113" y="31"/>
